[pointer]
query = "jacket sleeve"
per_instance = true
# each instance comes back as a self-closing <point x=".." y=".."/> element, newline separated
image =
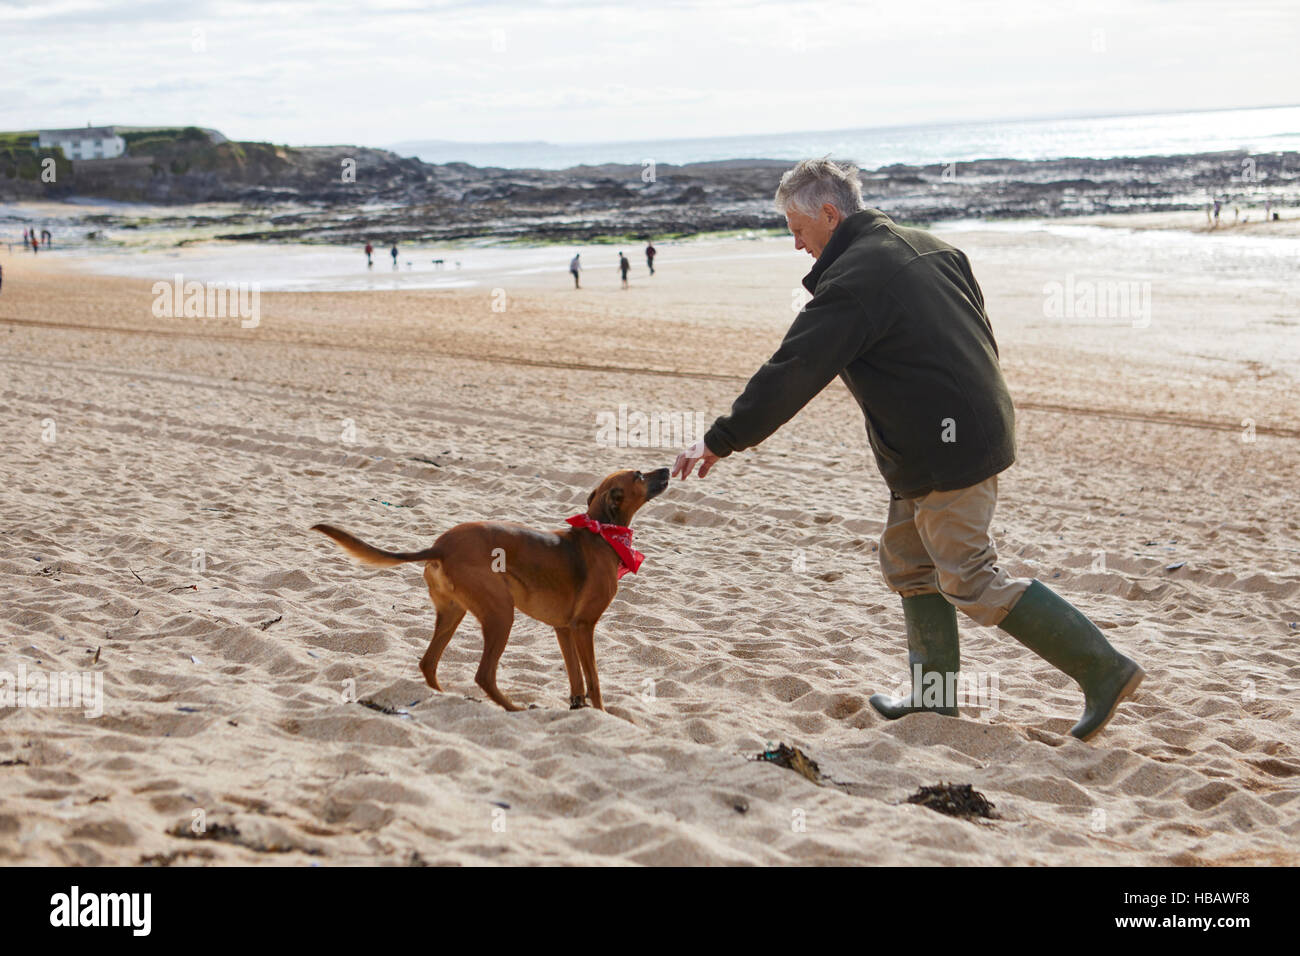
<point x="830" y="331"/>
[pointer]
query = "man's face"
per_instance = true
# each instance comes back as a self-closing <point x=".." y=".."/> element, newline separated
<point x="811" y="233"/>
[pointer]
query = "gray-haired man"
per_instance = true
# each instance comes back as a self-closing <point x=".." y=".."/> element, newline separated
<point x="897" y="315"/>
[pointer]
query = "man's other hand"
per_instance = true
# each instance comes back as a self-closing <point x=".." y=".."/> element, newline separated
<point x="686" y="461"/>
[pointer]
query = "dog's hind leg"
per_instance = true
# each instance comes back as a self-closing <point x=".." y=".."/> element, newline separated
<point x="496" y="622"/>
<point x="571" y="666"/>
<point x="450" y="615"/>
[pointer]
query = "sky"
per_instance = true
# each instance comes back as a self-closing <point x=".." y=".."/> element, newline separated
<point x="378" y="72"/>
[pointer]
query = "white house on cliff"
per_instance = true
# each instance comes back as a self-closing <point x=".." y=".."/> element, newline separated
<point x="90" y="142"/>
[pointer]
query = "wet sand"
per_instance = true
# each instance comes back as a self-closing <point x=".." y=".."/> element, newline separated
<point x="1250" y="221"/>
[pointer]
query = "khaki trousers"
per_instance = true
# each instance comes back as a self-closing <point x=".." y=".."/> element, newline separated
<point x="940" y="543"/>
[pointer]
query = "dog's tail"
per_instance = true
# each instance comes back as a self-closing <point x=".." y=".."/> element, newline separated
<point x="367" y="554"/>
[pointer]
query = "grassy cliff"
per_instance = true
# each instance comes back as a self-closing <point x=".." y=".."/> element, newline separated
<point x="189" y="164"/>
<point x="22" y="161"/>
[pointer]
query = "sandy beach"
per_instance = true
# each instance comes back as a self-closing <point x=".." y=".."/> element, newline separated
<point x="160" y="474"/>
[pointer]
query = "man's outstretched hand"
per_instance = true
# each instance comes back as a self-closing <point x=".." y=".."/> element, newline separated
<point x="686" y="461"/>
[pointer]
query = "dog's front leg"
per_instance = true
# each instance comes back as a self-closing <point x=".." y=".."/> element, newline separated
<point x="584" y="637"/>
<point x="571" y="667"/>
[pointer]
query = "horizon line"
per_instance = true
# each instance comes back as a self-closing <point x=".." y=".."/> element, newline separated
<point x="844" y="129"/>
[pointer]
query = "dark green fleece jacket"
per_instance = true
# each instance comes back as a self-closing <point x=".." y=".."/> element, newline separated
<point x="896" y="314"/>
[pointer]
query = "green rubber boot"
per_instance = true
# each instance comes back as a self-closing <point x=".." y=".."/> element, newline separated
<point x="931" y="645"/>
<point x="1058" y="632"/>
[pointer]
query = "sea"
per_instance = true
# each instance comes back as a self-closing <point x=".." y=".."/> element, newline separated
<point x="1257" y="130"/>
<point x="151" y="251"/>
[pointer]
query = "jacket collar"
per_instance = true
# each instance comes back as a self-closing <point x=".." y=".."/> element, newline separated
<point x="843" y="236"/>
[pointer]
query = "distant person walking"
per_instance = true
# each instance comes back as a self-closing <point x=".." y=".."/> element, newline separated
<point x="650" y="257"/>
<point x="370" y="254"/>
<point x="46" y="236"/>
<point x="623" y="266"/>
<point x="393" y="252"/>
<point x="575" y="266"/>
<point x="1217" y="206"/>
<point x="36" y="243"/>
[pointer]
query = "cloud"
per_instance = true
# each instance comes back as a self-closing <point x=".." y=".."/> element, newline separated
<point x="582" y="70"/>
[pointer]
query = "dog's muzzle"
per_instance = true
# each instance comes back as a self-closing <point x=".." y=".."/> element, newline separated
<point x="656" y="482"/>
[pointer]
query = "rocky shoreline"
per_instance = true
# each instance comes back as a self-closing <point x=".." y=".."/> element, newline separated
<point x="349" y="195"/>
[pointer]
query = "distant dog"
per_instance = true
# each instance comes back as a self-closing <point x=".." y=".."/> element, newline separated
<point x="562" y="578"/>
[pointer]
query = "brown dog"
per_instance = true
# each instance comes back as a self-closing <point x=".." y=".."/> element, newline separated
<point x="562" y="578"/>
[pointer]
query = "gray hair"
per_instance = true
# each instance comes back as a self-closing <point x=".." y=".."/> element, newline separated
<point x="812" y="182"/>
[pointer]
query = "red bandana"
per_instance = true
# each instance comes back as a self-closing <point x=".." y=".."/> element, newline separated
<point x="619" y="538"/>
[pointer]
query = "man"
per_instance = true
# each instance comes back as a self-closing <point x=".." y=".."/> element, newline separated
<point x="623" y="266"/>
<point x="898" y="316"/>
<point x="575" y="267"/>
<point x="650" y="257"/>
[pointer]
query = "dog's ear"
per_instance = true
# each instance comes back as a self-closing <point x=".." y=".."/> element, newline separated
<point x="610" y="502"/>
